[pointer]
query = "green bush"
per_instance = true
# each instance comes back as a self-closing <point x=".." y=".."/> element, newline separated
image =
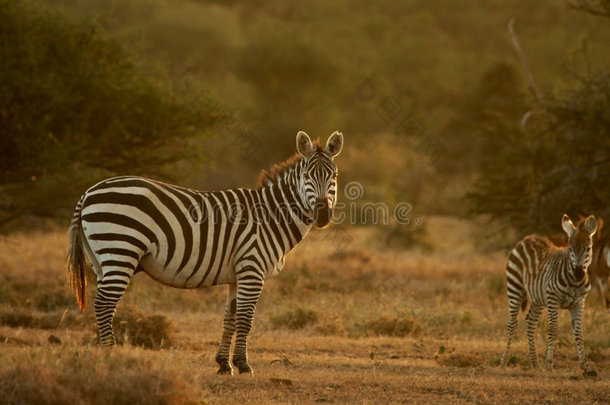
<point x="559" y="166"/>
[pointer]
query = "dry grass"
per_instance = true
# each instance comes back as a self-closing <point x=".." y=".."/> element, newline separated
<point x="150" y="331"/>
<point x="358" y="324"/>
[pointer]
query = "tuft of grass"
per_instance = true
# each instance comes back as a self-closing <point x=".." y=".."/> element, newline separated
<point x="595" y="354"/>
<point x="513" y="361"/>
<point x="330" y="326"/>
<point x="466" y="318"/>
<point x="137" y="329"/>
<point x="294" y="319"/>
<point x="385" y="326"/>
<point x="496" y="286"/>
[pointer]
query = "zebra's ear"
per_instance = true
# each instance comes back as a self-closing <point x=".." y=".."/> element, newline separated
<point x="567" y="225"/>
<point x="591" y="225"/>
<point x="304" y="146"/>
<point x="334" y="144"/>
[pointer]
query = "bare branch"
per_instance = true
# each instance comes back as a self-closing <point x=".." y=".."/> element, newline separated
<point x="528" y="73"/>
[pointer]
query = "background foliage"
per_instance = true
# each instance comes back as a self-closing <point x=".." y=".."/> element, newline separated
<point x="74" y="106"/>
<point x="93" y="88"/>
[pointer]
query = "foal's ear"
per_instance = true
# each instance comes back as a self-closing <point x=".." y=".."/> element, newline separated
<point x="304" y="146"/>
<point x="590" y="225"/>
<point x="334" y="144"/>
<point x="567" y="225"/>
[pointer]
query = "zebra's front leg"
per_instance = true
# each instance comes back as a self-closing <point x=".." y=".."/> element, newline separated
<point x="576" y="316"/>
<point x="249" y="287"/>
<point x="228" y="329"/>
<point x="553" y="311"/>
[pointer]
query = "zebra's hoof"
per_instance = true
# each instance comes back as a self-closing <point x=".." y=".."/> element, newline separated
<point x="225" y="366"/>
<point x="245" y="369"/>
<point x="225" y="371"/>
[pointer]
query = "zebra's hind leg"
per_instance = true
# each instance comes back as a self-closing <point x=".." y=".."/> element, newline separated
<point x="511" y="327"/>
<point x="228" y="329"/>
<point x="110" y="289"/>
<point x="249" y="286"/>
<point x="531" y="321"/>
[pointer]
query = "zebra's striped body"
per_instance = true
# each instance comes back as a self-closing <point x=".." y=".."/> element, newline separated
<point x="549" y="276"/>
<point x="188" y="239"/>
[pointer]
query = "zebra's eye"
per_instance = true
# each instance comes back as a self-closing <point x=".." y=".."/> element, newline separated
<point x="306" y="176"/>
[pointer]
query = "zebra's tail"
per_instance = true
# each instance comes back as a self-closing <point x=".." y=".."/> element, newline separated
<point x="77" y="265"/>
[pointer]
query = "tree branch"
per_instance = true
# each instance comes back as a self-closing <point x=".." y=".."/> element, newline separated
<point x="528" y="73"/>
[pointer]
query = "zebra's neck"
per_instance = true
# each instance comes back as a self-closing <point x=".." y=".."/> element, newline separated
<point x="281" y="209"/>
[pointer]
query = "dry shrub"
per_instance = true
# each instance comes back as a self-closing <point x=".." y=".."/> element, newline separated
<point x="297" y="319"/>
<point x="330" y="327"/>
<point x="385" y="326"/>
<point x="46" y="296"/>
<point x="54" y="299"/>
<point x="83" y="377"/>
<point x="513" y="361"/>
<point x="150" y="331"/>
<point x="357" y="254"/>
<point x="14" y="341"/>
<point x="400" y="236"/>
<point x="19" y="318"/>
<point x="33" y="385"/>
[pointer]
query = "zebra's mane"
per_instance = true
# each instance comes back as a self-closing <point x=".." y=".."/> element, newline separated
<point x="558" y="240"/>
<point x="267" y="177"/>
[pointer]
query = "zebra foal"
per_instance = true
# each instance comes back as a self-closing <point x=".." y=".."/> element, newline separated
<point x="547" y="275"/>
<point x="188" y="239"/>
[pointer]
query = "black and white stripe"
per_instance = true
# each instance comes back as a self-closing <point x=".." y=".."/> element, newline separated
<point x="188" y="239"/>
<point x="547" y="275"/>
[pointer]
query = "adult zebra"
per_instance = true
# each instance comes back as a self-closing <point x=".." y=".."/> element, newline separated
<point x="188" y="239"/>
<point x="554" y="277"/>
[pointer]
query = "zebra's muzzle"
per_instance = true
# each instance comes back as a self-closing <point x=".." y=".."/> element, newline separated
<point x="322" y="213"/>
<point x="579" y="271"/>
